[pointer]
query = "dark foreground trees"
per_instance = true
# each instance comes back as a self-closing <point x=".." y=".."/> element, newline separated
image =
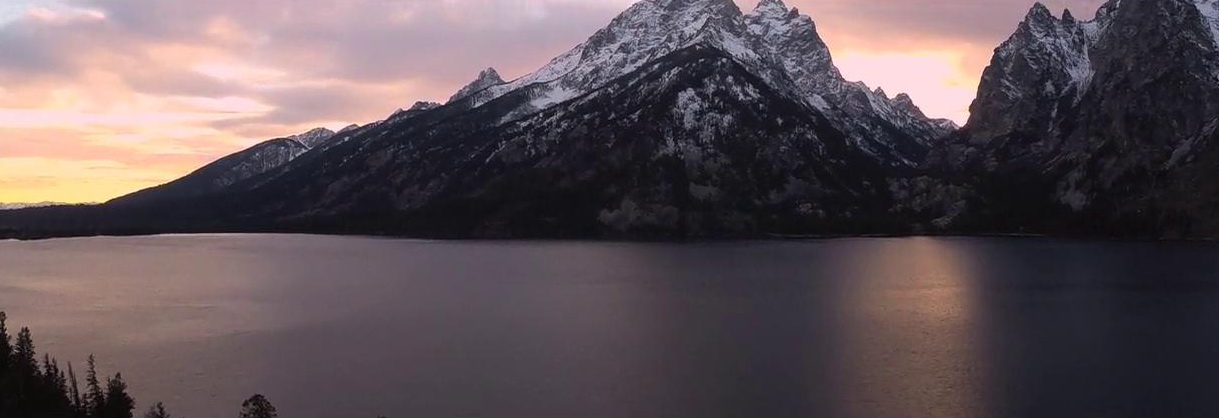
<point x="33" y="388"/>
<point x="30" y="388"/>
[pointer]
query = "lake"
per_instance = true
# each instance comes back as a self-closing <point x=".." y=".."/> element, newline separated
<point x="360" y="327"/>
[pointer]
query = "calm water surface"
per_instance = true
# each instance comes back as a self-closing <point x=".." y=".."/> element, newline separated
<point x="360" y="327"/>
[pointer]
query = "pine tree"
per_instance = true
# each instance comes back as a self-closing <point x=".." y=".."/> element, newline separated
<point x="95" y="399"/>
<point x="52" y="376"/>
<point x="157" y="411"/>
<point x="25" y="359"/>
<point x="53" y="393"/>
<point x="25" y="373"/>
<point x="258" y="407"/>
<point x="47" y="372"/>
<point x="6" y="347"/>
<point x="74" y="392"/>
<point x="118" y="403"/>
<point x="6" y="352"/>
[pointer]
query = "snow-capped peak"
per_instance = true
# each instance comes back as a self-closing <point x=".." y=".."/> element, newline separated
<point x="646" y="31"/>
<point x="423" y="106"/>
<point x="487" y="78"/>
<point x="1062" y="45"/>
<point x="313" y="137"/>
<point x="774" y="42"/>
<point x="1039" y="13"/>
<point x="775" y="8"/>
<point x="490" y="73"/>
<point x="1047" y="58"/>
<point x="793" y="42"/>
<point x="904" y="103"/>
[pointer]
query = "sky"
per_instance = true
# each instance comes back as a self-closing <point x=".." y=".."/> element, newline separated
<point x="100" y="98"/>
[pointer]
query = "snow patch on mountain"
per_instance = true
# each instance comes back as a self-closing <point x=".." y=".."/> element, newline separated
<point x="265" y="157"/>
<point x="312" y="138"/>
<point x="553" y="96"/>
<point x="947" y="124"/>
<point x="415" y="109"/>
<point x="689" y="108"/>
<point x="1209" y="9"/>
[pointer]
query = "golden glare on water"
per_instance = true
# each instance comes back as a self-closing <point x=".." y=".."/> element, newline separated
<point x="910" y="302"/>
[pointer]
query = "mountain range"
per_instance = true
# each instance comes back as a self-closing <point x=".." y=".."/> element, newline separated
<point x="692" y="118"/>
<point x="22" y="205"/>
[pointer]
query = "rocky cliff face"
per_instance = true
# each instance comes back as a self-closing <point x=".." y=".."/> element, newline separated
<point x="893" y="128"/>
<point x="1040" y="72"/>
<point x="1098" y="118"/>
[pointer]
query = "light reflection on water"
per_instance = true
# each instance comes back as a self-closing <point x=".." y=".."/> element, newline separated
<point x="337" y="326"/>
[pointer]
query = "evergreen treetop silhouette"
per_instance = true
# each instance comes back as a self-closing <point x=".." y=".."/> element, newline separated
<point x="157" y="411"/>
<point x="258" y="407"/>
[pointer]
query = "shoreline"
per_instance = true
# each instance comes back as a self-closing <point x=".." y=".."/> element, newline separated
<point x="771" y="237"/>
